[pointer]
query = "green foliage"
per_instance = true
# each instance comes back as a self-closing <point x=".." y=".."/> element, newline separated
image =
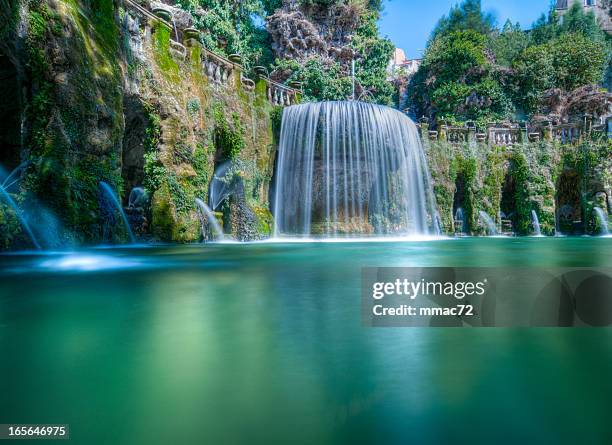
<point x="276" y="116"/>
<point x="577" y="20"/>
<point x="230" y="27"/>
<point x="193" y="106"/>
<point x="567" y="62"/>
<point x="545" y="28"/>
<point x="509" y="44"/>
<point x="321" y="81"/>
<point x="466" y="16"/>
<point x="162" y="51"/>
<point x="456" y="80"/>
<point x="519" y="171"/>
<point x="534" y="74"/>
<point x="325" y="79"/>
<point x="473" y="72"/>
<point x="374" y="54"/>
<point x="577" y="61"/>
<point x="154" y="170"/>
<point x="466" y="169"/>
<point x="228" y="138"/>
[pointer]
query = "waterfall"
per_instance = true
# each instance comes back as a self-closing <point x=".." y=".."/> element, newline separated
<point x="108" y="191"/>
<point x="24" y="223"/>
<point x="602" y="219"/>
<point x="350" y="168"/>
<point x="137" y="197"/>
<point x="488" y="222"/>
<point x="207" y="217"/>
<point x="537" y="231"/>
<point x="460" y="218"/>
<point x="222" y="185"/>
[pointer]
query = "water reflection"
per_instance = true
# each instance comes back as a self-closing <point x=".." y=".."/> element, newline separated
<point x="265" y="342"/>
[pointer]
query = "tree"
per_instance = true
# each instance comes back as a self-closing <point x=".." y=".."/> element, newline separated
<point x="568" y="62"/>
<point x="533" y="75"/>
<point x="577" y="61"/>
<point x="466" y="16"/>
<point x="458" y="80"/>
<point x="509" y="44"/>
<point x="232" y="22"/>
<point x="577" y="21"/>
<point x="545" y="28"/>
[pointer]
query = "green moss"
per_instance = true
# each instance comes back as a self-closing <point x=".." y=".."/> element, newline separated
<point x="229" y="137"/>
<point x="154" y="170"/>
<point x="519" y="171"/>
<point x="276" y="117"/>
<point x="466" y="169"/>
<point x="163" y="58"/>
<point x="265" y="221"/>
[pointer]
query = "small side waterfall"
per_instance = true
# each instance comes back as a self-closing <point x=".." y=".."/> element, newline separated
<point x="488" y="223"/>
<point x="602" y="219"/>
<point x="459" y="221"/>
<point x="108" y="191"/>
<point x="537" y="231"/>
<point x="351" y="168"/>
<point x="24" y="223"/>
<point x="208" y="218"/>
<point x="222" y="185"/>
<point x="137" y="197"/>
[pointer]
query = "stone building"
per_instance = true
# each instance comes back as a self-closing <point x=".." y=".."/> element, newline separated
<point x="601" y="8"/>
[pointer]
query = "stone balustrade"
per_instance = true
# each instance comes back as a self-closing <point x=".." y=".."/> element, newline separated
<point x="507" y="135"/>
<point x="219" y="70"/>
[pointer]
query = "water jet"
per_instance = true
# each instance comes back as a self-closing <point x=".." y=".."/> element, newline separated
<point x="108" y="192"/>
<point x="208" y="220"/>
<point x="602" y="220"/>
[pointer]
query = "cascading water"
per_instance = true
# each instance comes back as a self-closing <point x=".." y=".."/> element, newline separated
<point x="488" y="223"/>
<point x="602" y="219"/>
<point x="222" y="185"/>
<point x="137" y="197"/>
<point x="108" y="191"/>
<point x="537" y="231"/>
<point x="351" y="168"/>
<point x="207" y="218"/>
<point x="459" y="221"/>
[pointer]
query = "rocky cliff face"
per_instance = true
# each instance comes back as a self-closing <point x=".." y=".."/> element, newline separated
<point x="100" y="93"/>
<point x="302" y="30"/>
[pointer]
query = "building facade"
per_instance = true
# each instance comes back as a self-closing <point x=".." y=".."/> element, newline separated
<point x="601" y="9"/>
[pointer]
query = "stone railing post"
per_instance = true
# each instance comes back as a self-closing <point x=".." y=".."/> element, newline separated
<point x="547" y="131"/>
<point x="442" y="130"/>
<point x="424" y="126"/>
<point x="522" y="134"/>
<point x="471" y="131"/>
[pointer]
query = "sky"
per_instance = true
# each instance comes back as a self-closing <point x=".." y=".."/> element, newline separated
<point x="408" y="23"/>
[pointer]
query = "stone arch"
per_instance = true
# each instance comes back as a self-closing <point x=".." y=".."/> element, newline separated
<point x="459" y="205"/>
<point x="508" y="207"/>
<point x="132" y="156"/>
<point x="569" y="214"/>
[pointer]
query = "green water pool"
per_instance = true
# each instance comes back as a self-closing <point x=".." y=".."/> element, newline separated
<point x="263" y="344"/>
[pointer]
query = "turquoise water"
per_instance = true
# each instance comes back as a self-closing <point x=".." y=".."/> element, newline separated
<point x="263" y="343"/>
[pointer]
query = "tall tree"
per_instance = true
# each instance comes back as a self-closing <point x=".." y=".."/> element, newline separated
<point x="466" y="16"/>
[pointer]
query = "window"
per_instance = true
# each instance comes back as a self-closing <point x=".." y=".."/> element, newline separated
<point x="589" y="2"/>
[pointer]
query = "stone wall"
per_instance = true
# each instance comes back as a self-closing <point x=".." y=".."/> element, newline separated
<point x="559" y="174"/>
<point x="108" y="94"/>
